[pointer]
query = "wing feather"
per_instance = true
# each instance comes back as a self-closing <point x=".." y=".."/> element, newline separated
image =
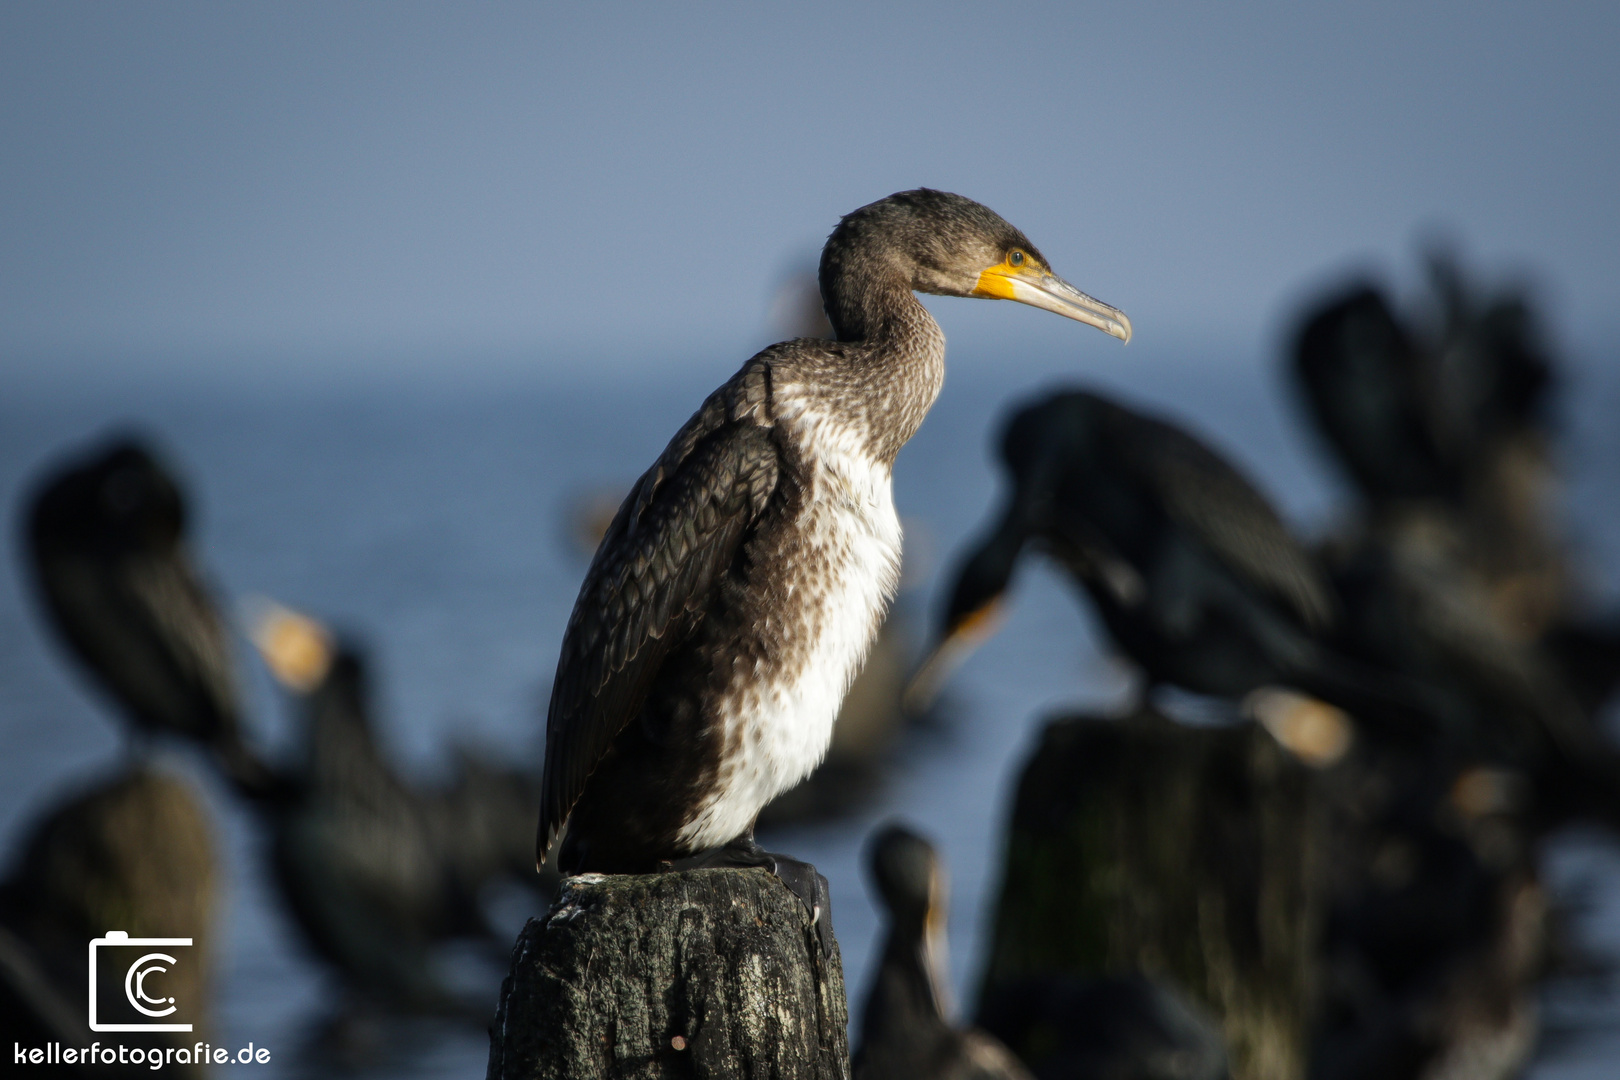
<point x="1215" y="501"/>
<point x="678" y="532"/>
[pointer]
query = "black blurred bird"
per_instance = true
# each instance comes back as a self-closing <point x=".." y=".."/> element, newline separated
<point x="353" y="852"/>
<point x="905" y="1031"/>
<point x="375" y="869"/>
<point x="1192" y="572"/>
<point x="1444" y="428"/>
<point x="1449" y="571"/>
<point x="107" y="539"/>
<point x="742" y="580"/>
<point x="1424" y="415"/>
<point x="1359" y="372"/>
<point x="1437" y="930"/>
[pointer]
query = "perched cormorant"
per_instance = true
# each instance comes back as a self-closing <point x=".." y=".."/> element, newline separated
<point x="1424" y="415"/>
<point x="1445" y="426"/>
<point x="873" y="714"/>
<point x="905" y="1031"/>
<point x="106" y="534"/>
<point x="1448" y="570"/>
<point x="1192" y="572"/>
<point x="375" y="870"/>
<point x="741" y="581"/>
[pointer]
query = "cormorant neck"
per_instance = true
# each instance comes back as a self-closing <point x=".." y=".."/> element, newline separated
<point x="904" y="994"/>
<point x="867" y="292"/>
<point x="896" y="365"/>
<point x="996" y="559"/>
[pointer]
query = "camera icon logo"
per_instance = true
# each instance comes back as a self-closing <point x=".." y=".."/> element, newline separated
<point x="143" y="981"/>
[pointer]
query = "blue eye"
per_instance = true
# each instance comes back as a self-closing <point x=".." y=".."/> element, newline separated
<point x="1015" y="258"/>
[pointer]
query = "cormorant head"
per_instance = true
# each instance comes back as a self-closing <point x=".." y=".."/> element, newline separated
<point x="945" y="244"/>
<point x="117" y="500"/>
<point x="327" y="671"/>
<point x="1037" y="443"/>
<point x="906" y="872"/>
<point x="975" y="604"/>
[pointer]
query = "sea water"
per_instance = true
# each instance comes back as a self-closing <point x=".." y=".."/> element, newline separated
<point x="429" y="515"/>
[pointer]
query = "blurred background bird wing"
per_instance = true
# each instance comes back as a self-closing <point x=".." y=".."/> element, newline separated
<point x="1214" y="502"/>
<point x="679" y="530"/>
<point x="168" y="595"/>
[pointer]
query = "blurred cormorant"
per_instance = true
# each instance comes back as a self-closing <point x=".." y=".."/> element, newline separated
<point x="1449" y="572"/>
<point x="375" y="870"/>
<point x="1191" y="570"/>
<point x="1415" y="415"/>
<point x="106" y="534"/>
<point x="742" y="580"/>
<point x="1437" y="930"/>
<point x="904" y="1031"/>
<point x="372" y="870"/>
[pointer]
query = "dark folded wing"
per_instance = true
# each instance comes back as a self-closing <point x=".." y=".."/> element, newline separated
<point x="677" y="534"/>
<point x="1213" y="500"/>
<point x="181" y="612"/>
<point x="146" y="626"/>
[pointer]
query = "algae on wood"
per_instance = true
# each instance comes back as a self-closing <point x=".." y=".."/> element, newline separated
<point x="1187" y="854"/>
<point x="702" y="973"/>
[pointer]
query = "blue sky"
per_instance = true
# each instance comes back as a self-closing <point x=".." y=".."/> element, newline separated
<point x="289" y="181"/>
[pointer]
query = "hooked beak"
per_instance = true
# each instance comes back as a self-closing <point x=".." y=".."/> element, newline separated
<point x="968" y="634"/>
<point x="1317" y="733"/>
<point x="296" y="648"/>
<point x="1039" y="287"/>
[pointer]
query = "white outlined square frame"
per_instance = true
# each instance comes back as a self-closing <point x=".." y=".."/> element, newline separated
<point x="121" y="939"/>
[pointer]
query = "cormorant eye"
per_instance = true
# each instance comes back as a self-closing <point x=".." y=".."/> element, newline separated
<point x="1015" y="258"/>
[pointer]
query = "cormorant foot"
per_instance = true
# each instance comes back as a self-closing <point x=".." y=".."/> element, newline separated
<point x="801" y="878"/>
<point x="808" y="884"/>
<point x="741" y="853"/>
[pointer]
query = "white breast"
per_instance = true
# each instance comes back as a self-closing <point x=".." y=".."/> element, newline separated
<point x="780" y="720"/>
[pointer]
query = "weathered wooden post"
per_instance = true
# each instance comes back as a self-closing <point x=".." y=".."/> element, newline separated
<point x="700" y="973"/>
<point x="133" y="851"/>
<point x="1187" y="854"/>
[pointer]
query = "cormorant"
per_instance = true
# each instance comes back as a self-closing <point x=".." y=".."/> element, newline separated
<point x="1358" y="371"/>
<point x="1415" y="415"/>
<point x="1191" y="570"/>
<point x="873" y="713"/>
<point x="742" y="579"/>
<point x="1447" y="571"/>
<point x="905" y="1031"/>
<point x="375" y="870"/>
<point x="106" y="535"/>
<point x="1444" y="428"/>
<point x="1437" y="931"/>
